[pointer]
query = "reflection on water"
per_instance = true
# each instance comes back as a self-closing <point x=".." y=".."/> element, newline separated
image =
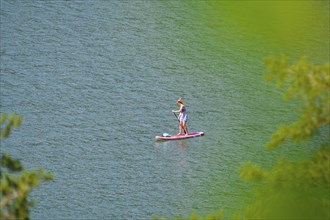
<point x="175" y="143"/>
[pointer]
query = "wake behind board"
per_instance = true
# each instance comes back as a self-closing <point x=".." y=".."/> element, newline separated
<point x="178" y="137"/>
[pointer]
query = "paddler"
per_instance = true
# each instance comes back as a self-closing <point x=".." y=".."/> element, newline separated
<point x="183" y="116"/>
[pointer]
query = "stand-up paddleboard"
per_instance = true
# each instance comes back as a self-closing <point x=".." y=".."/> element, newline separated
<point x="166" y="137"/>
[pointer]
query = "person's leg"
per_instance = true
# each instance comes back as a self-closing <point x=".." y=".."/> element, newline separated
<point x="185" y="127"/>
<point x="180" y="128"/>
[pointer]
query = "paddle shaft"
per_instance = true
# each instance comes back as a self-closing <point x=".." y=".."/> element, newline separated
<point x="179" y="122"/>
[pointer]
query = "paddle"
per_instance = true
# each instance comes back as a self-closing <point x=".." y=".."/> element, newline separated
<point x="179" y="122"/>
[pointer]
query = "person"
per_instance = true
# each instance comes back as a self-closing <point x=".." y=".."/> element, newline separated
<point x="183" y="117"/>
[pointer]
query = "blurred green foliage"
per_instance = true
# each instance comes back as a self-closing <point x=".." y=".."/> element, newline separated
<point x="308" y="84"/>
<point x="284" y="21"/>
<point x="16" y="182"/>
<point x="296" y="190"/>
<point x="9" y="122"/>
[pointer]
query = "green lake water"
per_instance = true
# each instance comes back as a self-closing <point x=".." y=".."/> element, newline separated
<point x="96" y="82"/>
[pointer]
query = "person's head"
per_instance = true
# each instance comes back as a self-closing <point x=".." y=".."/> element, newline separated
<point x="180" y="102"/>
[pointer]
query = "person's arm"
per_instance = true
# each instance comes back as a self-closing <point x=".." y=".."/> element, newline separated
<point x="178" y="111"/>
